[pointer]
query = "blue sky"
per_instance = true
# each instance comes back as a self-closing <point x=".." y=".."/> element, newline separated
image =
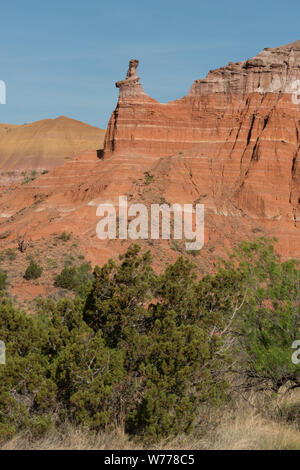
<point x="62" y="57"/>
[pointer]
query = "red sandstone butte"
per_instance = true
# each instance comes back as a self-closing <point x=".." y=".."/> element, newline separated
<point x="234" y="137"/>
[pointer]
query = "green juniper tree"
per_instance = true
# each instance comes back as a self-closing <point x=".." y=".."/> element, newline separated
<point x="146" y="351"/>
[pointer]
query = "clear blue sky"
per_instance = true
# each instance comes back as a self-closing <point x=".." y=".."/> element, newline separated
<point x="62" y="57"/>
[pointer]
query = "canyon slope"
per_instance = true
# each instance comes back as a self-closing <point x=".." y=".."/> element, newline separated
<point x="232" y="143"/>
<point x="43" y="145"/>
<point x="234" y="137"/>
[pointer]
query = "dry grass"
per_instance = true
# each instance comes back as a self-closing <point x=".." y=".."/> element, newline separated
<point x="241" y="427"/>
<point x="73" y="439"/>
<point x="253" y="432"/>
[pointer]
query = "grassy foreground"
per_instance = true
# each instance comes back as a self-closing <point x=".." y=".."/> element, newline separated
<point x="242" y="427"/>
<point x="142" y="359"/>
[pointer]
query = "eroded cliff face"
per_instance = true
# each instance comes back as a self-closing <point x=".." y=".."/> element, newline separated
<point x="43" y="145"/>
<point x="272" y="70"/>
<point x="211" y="111"/>
<point x="236" y="132"/>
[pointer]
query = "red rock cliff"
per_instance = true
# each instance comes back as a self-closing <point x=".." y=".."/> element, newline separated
<point x="236" y="131"/>
<point x="211" y="111"/>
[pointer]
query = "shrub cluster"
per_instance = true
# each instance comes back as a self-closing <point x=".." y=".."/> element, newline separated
<point x="74" y="278"/>
<point x="65" y="237"/>
<point x="3" y="278"/>
<point x="146" y="351"/>
<point x="34" y="271"/>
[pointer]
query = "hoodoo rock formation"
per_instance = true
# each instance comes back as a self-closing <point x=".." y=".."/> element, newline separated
<point x="131" y="86"/>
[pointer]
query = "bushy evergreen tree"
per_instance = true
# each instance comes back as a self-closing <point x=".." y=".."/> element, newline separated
<point x="145" y="351"/>
<point x="77" y="279"/>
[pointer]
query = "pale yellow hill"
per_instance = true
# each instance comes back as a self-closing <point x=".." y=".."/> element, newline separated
<point x="45" y="144"/>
